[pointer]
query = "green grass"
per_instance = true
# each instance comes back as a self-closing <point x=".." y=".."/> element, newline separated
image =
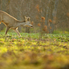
<point x="61" y="31"/>
<point x="31" y="51"/>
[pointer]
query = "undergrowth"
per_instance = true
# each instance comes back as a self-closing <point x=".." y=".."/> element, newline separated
<point x="30" y="51"/>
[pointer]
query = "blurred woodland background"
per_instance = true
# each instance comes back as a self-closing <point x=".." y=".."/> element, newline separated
<point x="49" y="15"/>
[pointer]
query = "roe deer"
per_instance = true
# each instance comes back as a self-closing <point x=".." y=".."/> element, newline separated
<point x="12" y="22"/>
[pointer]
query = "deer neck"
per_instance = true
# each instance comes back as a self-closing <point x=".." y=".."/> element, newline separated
<point x="20" y="23"/>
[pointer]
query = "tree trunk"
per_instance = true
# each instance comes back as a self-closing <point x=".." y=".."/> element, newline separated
<point x="54" y="16"/>
<point x="47" y="13"/>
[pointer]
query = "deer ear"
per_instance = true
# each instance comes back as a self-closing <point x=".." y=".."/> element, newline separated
<point x="28" y="18"/>
<point x="25" y="17"/>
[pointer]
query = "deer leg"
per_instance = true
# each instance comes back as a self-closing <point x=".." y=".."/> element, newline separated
<point x="6" y="30"/>
<point x="16" y="30"/>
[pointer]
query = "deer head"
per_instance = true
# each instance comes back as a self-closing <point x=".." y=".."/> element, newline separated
<point x="28" y="22"/>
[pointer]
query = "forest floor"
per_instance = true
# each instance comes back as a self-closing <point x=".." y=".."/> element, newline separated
<point x="33" y="52"/>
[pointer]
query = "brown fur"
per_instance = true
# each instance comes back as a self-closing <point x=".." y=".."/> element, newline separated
<point x="11" y="22"/>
